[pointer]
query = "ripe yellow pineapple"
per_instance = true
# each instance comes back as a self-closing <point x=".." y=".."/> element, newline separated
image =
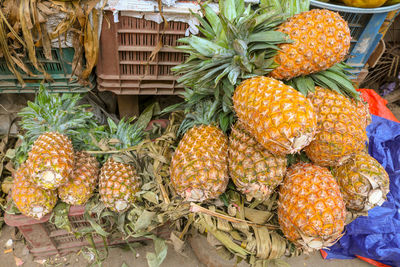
<point x="82" y="182"/>
<point x="119" y="181"/>
<point x="51" y="160"/>
<point x="362" y="111"/>
<point x="30" y="200"/>
<point x="255" y="171"/>
<point x="363" y="181"/>
<point x="321" y="39"/>
<point x="199" y="165"/>
<point x="52" y="123"/>
<point x="311" y="210"/>
<point x="341" y="133"/>
<point x="279" y="117"/>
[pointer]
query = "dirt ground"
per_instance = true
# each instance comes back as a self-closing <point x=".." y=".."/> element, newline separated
<point x="117" y="257"/>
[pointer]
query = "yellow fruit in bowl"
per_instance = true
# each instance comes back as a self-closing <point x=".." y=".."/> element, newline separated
<point x="392" y="2"/>
<point x="365" y="3"/>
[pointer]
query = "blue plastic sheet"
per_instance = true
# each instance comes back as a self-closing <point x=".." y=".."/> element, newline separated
<point x="377" y="236"/>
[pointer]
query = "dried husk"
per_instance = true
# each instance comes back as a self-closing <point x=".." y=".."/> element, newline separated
<point x="24" y="27"/>
<point x="248" y="230"/>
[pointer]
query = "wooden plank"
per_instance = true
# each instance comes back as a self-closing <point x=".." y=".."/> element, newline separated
<point x="128" y="106"/>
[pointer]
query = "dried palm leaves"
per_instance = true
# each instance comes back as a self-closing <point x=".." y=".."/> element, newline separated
<point x="247" y="230"/>
<point x="28" y="24"/>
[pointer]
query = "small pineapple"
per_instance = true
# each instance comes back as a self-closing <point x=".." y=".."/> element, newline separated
<point x="341" y="133"/>
<point x="199" y="166"/>
<point x="363" y="181"/>
<point x="53" y="123"/>
<point x="119" y="181"/>
<point x="311" y="210"/>
<point x="279" y="117"/>
<point x="82" y="182"/>
<point x="30" y="200"/>
<point x="255" y="171"/>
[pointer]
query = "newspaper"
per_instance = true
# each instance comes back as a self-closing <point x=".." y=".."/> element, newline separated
<point x="172" y="10"/>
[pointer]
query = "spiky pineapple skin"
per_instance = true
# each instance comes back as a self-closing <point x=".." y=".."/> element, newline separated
<point x="255" y="171"/>
<point x="119" y="182"/>
<point x="341" y="133"/>
<point x="199" y="166"/>
<point x="321" y="38"/>
<point x="362" y="111"/>
<point x="83" y="180"/>
<point x="311" y="210"/>
<point x="51" y="160"/>
<point x="363" y="181"/>
<point x="30" y="200"/>
<point x="279" y="117"/>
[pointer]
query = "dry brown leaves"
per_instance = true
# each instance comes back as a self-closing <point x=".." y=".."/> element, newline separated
<point x="24" y="26"/>
<point x="248" y="230"/>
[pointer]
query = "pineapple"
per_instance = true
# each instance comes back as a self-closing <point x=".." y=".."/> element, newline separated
<point x="83" y="180"/>
<point x="119" y="181"/>
<point x="280" y="118"/>
<point x="363" y="181"/>
<point x="255" y="171"/>
<point x="311" y="210"/>
<point x="199" y="165"/>
<point x="321" y="38"/>
<point x="52" y="123"/>
<point x="341" y="134"/>
<point x="30" y="200"/>
<point x="362" y="111"/>
<point x="239" y="43"/>
<point x="51" y="160"/>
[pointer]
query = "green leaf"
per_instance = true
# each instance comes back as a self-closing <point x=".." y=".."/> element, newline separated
<point x="144" y="220"/>
<point x="224" y="122"/>
<point x="161" y="249"/>
<point x="222" y="75"/>
<point x="271" y="37"/>
<point x="151" y="196"/>
<point x="233" y="75"/>
<point x="124" y="265"/>
<point x="213" y="18"/>
<point x="203" y="46"/>
<point x="145" y="117"/>
<point x="240" y="47"/>
<point x="228" y="9"/>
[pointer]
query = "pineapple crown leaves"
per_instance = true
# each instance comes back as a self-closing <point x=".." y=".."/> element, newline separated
<point x="335" y="78"/>
<point x="238" y="43"/>
<point x="203" y="113"/>
<point x="288" y="7"/>
<point x="126" y="134"/>
<point x="218" y="101"/>
<point x="56" y="113"/>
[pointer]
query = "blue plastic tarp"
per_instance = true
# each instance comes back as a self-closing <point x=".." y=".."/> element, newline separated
<point x="377" y="236"/>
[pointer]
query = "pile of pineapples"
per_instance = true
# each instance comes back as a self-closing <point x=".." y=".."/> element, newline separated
<point x="271" y="108"/>
<point x="58" y="132"/>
